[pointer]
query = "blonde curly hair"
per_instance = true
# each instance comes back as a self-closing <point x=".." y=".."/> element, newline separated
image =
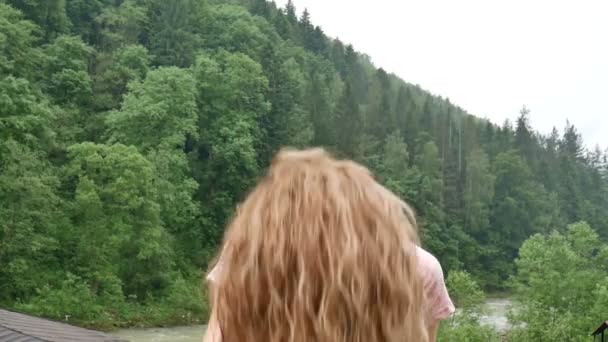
<point x="319" y="251"/>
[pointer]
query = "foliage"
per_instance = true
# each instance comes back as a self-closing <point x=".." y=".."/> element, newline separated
<point x="72" y="300"/>
<point x="468" y="299"/>
<point x="464" y="291"/>
<point x="18" y="55"/>
<point x="115" y="205"/>
<point x="561" y="285"/>
<point x="66" y="79"/>
<point x="466" y="330"/>
<point x="30" y="217"/>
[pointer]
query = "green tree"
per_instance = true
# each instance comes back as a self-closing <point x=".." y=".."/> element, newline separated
<point x="50" y="15"/>
<point x="397" y="175"/>
<point x="348" y="123"/>
<point x="290" y="11"/>
<point x="559" y="286"/>
<point x="549" y="161"/>
<point x="31" y="216"/>
<point x="429" y="162"/>
<point x="157" y="116"/>
<point x="127" y="64"/>
<point x="233" y="29"/>
<point x="24" y="117"/>
<point x="232" y="100"/>
<point x="356" y="74"/>
<point x="286" y="122"/>
<point x="572" y="142"/>
<point x="18" y="57"/>
<point x="174" y="39"/>
<point x="306" y="29"/>
<point x="429" y="203"/>
<point x="117" y="211"/>
<point x="521" y="207"/>
<point x="121" y="25"/>
<point x="379" y="116"/>
<point x="468" y="298"/>
<point x="478" y="192"/>
<point x="82" y="14"/>
<point x="158" y="112"/>
<point x="525" y="141"/>
<point x="260" y="7"/>
<point x="300" y="129"/>
<point x="66" y="78"/>
<point x="322" y="88"/>
<point x="404" y="109"/>
<point x="465" y="292"/>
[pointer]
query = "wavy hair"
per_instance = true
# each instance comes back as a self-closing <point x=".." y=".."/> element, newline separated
<point x="319" y="251"/>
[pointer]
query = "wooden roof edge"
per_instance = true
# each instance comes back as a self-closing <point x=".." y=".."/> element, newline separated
<point x="601" y="328"/>
<point x="20" y="334"/>
<point x="54" y="322"/>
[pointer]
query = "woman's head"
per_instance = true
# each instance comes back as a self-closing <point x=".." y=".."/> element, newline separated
<point x="319" y="251"/>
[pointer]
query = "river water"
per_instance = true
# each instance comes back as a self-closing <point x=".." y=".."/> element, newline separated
<point x="180" y="334"/>
<point x="495" y="315"/>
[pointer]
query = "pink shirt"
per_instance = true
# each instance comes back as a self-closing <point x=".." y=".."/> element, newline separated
<point x="439" y="304"/>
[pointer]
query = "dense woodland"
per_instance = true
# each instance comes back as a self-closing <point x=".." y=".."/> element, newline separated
<point x="129" y="129"/>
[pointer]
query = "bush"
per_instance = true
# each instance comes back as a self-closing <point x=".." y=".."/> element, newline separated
<point x="464" y="328"/>
<point x="561" y="286"/>
<point x="182" y="303"/>
<point x="72" y="299"/>
<point x="464" y="291"/>
<point x="464" y="325"/>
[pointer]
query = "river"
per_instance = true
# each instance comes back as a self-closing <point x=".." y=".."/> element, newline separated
<point x="496" y="313"/>
<point x="496" y="316"/>
<point x="179" y="334"/>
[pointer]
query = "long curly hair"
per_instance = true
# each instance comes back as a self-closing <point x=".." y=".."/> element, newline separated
<point x="319" y="251"/>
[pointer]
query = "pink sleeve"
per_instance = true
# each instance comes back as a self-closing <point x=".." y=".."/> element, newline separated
<point x="212" y="276"/>
<point x="439" y="304"/>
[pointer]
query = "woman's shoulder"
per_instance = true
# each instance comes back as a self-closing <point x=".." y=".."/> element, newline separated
<point x="439" y="302"/>
<point x="428" y="264"/>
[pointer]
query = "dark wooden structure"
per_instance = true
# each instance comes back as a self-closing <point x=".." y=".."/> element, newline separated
<point x="16" y="327"/>
<point x="598" y="334"/>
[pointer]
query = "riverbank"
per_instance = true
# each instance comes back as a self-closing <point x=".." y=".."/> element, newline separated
<point x="181" y="304"/>
<point x="495" y="313"/>
<point x="125" y="317"/>
<point x="176" y="334"/>
<point x="495" y="316"/>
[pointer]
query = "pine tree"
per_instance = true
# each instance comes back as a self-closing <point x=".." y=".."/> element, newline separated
<point x="572" y="142"/>
<point x="173" y="34"/>
<point x="380" y="117"/>
<point x="50" y="15"/>
<point x="261" y="8"/>
<point x="338" y="57"/>
<point x="524" y="139"/>
<point x="348" y="123"/>
<point x="403" y="109"/>
<point x="290" y="11"/>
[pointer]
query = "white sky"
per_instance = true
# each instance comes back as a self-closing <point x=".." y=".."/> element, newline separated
<point x="489" y="57"/>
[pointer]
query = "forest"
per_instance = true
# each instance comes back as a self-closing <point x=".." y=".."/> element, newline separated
<point x="130" y="129"/>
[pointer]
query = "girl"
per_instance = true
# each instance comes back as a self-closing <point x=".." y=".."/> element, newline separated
<point x="319" y="251"/>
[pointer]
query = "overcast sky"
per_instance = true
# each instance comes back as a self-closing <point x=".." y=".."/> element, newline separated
<point x="489" y="57"/>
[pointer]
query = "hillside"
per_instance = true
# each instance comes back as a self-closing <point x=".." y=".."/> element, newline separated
<point x="130" y="129"/>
